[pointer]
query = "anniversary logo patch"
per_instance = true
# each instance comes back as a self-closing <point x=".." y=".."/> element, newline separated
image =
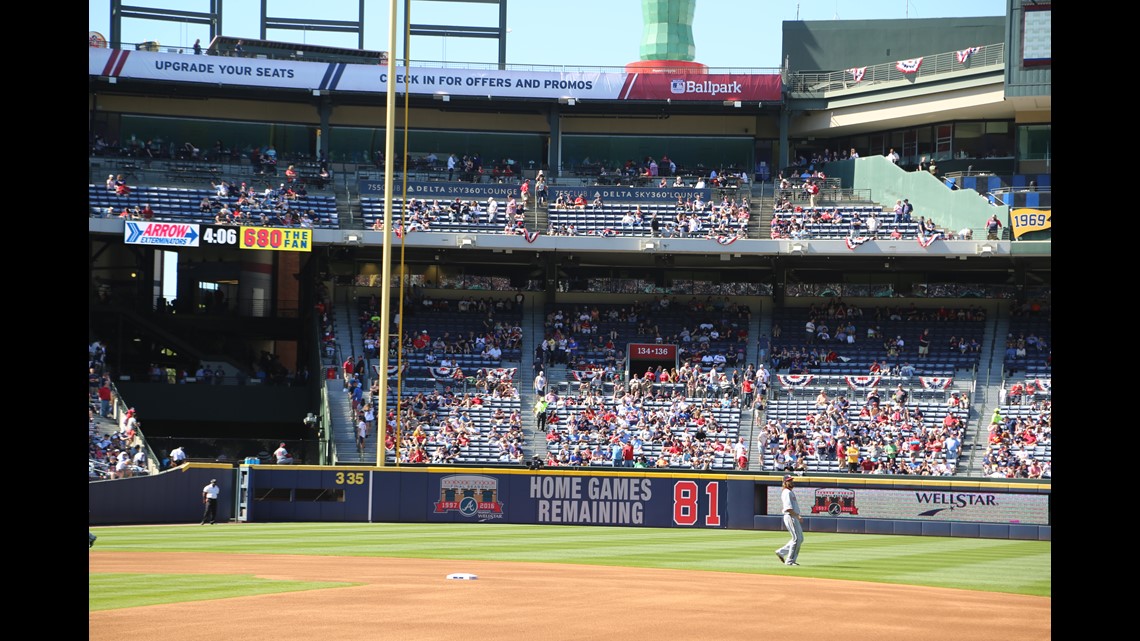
<point x="834" y="502"/>
<point x="472" y="495"/>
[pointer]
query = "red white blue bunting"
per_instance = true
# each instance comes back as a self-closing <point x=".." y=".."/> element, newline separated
<point x="965" y="54"/>
<point x="925" y="241"/>
<point x="1044" y="384"/>
<point x="504" y="373"/>
<point x="862" y="382"/>
<point x="857" y="73"/>
<point x="726" y="240"/>
<point x="909" y="66"/>
<point x="530" y="236"/>
<point x="936" y="382"/>
<point x="795" y="380"/>
<point x="444" y="373"/>
<point x="852" y="243"/>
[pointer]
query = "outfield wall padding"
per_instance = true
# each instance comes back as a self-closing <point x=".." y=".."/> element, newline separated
<point x="569" y="496"/>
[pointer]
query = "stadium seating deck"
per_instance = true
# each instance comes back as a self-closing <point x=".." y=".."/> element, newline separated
<point x="856" y="358"/>
<point x="798" y="411"/>
<point x="181" y="205"/>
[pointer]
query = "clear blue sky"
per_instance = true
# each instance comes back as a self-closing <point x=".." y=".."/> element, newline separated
<point x="587" y="33"/>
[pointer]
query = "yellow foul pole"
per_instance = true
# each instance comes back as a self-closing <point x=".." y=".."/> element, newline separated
<point x="386" y="256"/>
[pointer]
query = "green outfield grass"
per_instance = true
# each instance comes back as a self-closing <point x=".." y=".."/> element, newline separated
<point x="112" y="591"/>
<point x="993" y="565"/>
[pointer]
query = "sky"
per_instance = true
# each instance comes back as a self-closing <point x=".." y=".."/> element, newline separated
<point x="728" y="34"/>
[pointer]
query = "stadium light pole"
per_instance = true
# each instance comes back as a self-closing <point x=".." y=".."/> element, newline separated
<point x="386" y="254"/>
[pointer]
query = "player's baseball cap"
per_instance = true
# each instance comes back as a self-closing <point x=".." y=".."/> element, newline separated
<point x="789" y="477"/>
<point x="213" y="480"/>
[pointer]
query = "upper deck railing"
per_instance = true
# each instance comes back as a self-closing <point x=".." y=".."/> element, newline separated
<point x="985" y="59"/>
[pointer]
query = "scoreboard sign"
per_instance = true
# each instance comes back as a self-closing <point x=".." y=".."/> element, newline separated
<point x="643" y="356"/>
<point x="276" y="239"/>
<point x="194" y="235"/>
<point x="168" y="234"/>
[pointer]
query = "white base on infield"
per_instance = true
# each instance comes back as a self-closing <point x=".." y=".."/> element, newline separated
<point x="465" y="576"/>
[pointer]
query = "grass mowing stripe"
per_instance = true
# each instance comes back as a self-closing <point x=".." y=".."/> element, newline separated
<point x="1022" y="567"/>
<point x="121" y="590"/>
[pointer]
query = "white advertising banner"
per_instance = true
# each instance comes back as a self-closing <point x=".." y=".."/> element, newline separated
<point x="490" y="83"/>
<point x="923" y="505"/>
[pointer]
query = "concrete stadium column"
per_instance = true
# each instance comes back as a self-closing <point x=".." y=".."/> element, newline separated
<point x="554" y="155"/>
<point x="155" y="273"/>
<point x="324" y="110"/>
<point x="784" y="159"/>
<point x="255" y="286"/>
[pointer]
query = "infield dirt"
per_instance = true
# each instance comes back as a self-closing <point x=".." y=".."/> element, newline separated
<point x="411" y="599"/>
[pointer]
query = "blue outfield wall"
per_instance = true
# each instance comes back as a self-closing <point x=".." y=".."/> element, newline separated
<point x="446" y="494"/>
<point x="579" y="496"/>
<point x="174" y="496"/>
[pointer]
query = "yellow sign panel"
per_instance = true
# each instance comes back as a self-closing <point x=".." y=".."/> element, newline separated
<point x="276" y="239"/>
<point x="1023" y="221"/>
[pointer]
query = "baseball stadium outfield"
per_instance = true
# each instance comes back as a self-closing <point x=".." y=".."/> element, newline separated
<point x="347" y="581"/>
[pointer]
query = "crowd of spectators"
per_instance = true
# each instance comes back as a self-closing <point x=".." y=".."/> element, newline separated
<point x="1013" y="441"/>
<point x="464" y="409"/>
<point x="227" y="202"/>
<point x="497" y="320"/>
<point x="440" y="426"/>
<point x="1017" y="348"/>
<point x="836" y="328"/>
<point x="640" y="425"/>
<point x="420" y="215"/>
<point x="689" y="218"/>
<point x="111" y="453"/>
<point x="879" y="436"/>
<point x="707" y="332"/>
<point x="795" y="222"/>
<point x="243" y="205"/>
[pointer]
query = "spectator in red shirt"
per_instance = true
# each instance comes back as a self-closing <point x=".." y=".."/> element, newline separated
<point x="914" y="446"/>
<point x="121" y="188"/>
<point x="950" y="421"/>
<point x="348" y="367"/>
<point x="104" y="392"/>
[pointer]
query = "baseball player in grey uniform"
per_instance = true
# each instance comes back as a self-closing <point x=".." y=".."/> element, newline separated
<point x="792" y="520"/>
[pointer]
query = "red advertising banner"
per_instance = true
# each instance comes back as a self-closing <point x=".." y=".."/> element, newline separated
<point x="710" y="87"/>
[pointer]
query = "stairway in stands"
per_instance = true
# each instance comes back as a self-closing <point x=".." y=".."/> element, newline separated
<point x="534" y="440"/>
<point x="343" y="429"/>
<point x="986" y="396"/>
<point x="761" y="324"/>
